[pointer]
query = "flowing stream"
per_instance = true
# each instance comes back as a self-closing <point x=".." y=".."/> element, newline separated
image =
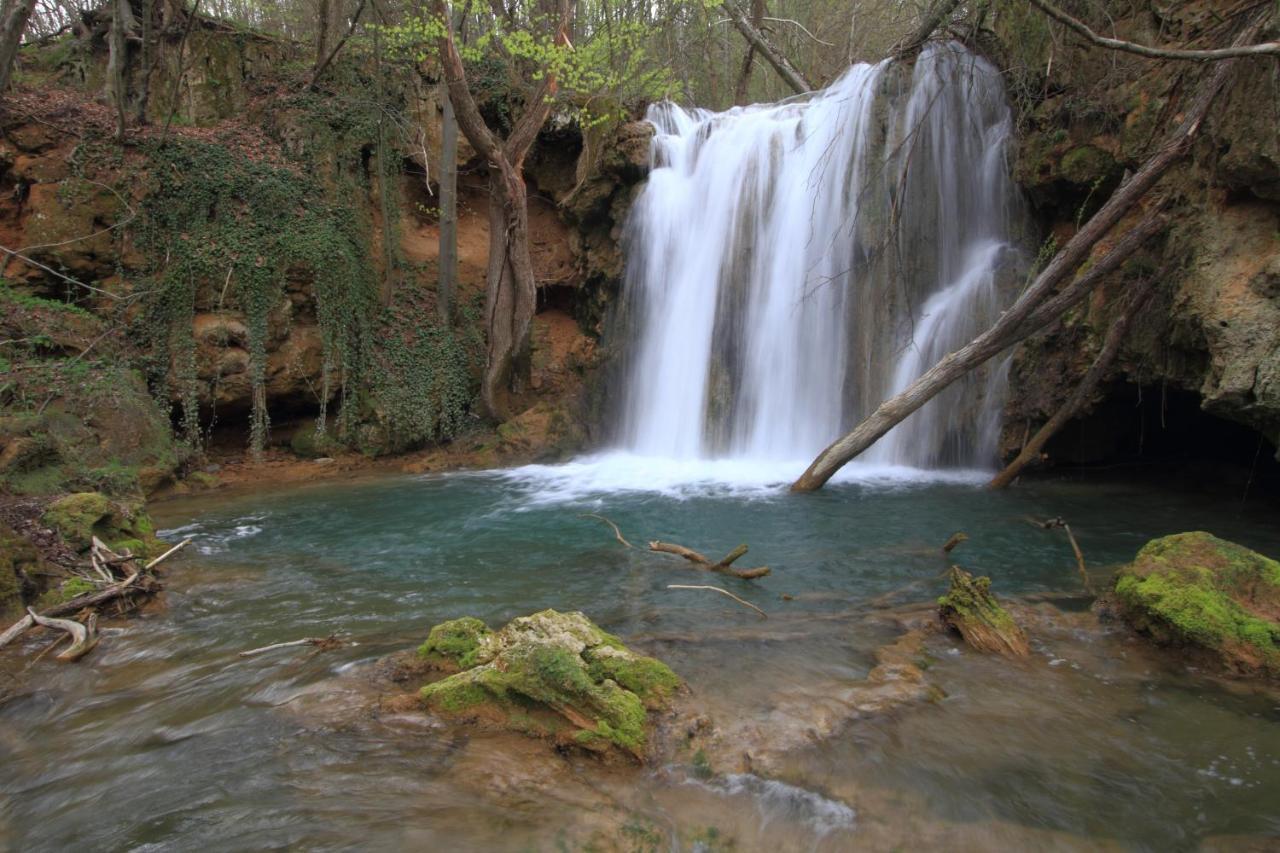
<point x="168" y="741"/>
<point x="792" y="265"/>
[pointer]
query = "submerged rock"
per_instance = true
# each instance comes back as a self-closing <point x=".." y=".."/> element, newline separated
<point x="971" y="609"/>
<point x="1197" y="590"/>
<point x="551" y="674"/>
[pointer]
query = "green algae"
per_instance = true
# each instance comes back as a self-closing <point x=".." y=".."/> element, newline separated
<point x="455" y="643"/>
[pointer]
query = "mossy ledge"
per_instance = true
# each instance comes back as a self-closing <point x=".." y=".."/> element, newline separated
<point x="1194" y="589"/>
<point x="553" y="675"/>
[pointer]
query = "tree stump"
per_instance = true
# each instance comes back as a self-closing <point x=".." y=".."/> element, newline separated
<point x="971" y="609"/>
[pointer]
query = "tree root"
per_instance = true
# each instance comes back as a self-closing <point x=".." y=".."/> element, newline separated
<point x="85" y="636"/>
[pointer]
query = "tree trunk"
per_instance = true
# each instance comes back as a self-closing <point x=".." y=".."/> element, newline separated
<point x="511" y="291"/>
<point x="1018" y="322"/>
<point x="741" y="94"/>
<point x="934" y="19"/>
<point x="448" y="281"/>
<point x="148" y="61"/>
<point x="16" y="13"/>
<point x="772" y="55"/>
<point x="117" y="60"/>
<point x="1110" y="348"/>
<point x="322" y="34"/>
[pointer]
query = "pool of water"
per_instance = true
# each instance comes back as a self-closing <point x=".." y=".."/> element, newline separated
<point x="165" y="739"/>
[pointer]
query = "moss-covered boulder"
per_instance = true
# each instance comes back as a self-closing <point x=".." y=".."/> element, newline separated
<point x="1194" y="589"/>
<point x="554" y="675"/>
<point x="18" y="560"/>
<point x="80" y="517"/>
<point x="971" y="609"/>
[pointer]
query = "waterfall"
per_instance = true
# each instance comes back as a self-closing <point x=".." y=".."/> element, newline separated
<point x="791" y="265"/>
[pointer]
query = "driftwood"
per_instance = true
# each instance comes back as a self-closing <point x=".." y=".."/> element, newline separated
<point x="722" y="592"/>
<point x="1038" y="306"/>
<point x="85" y="636"/>
<point x="1059" y="521"/>
<point x="1110" y="348"/>
<point x="139" y="582"/>
<point x="956" y="539"/>
<point x="616" y="532"/>
<point x="971" y="609"/>
<point x="323" y="644"/>
<point x="724" y="566"/>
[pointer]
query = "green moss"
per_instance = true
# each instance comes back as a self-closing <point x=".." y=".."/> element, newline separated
<point x="64" y="592"/>
<point x="455" y="642"/>
<point x="549" y="674"/>
<point x="650" y="679"/>
<point x="1198" y="589"/>
<point x="1085" y="164"/>
<point x="702" y="766"/>
<point x="80" y="517"/>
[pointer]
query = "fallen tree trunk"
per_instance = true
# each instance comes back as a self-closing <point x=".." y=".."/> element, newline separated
<point x="788" y="72"/>
<point x="1069" y="409"/>
<point x="1014" y="324"/>
<point x="934" y="19"/>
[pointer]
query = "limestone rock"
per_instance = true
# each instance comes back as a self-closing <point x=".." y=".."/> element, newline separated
<point x="1194" y="589"/>
<point x="553" y="675"/>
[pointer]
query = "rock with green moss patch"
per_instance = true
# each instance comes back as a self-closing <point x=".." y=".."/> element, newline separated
<point x="18" y="557"/>
<point x="1194" y="589"/>
<point x="80" y="517"/>
<point x="970" y="608"/>
<point x="555" y="675"/>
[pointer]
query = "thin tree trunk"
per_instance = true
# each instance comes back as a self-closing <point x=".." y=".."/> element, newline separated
<point x="16" y="13"/>
<point x="740" y="94"/>
<point x="1110" y="348"/>
<point x="937" y="15"/>
<point x="322" y="34"/>
<point x="117" y="59"/>
<point x="148" y="61"/>
<point x="323" y="64"/>
<point x="1013" y="325"/>
<point x="788" y="72"/>
<point x="448" y="281"/>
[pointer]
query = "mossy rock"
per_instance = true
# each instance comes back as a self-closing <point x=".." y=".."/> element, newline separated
<point x="17" y="558"/>
<point x="1194" y="589"/>
<point x="554" y="675"/>
<point x="971" y="609"/>
<point x="80" y="517"/>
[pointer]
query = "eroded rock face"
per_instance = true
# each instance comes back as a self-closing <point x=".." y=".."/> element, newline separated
<point x="1194" y="589"/>
<point x="553" y="675"/>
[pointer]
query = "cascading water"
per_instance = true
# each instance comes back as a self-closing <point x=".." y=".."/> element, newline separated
<point x="792" y="265"/>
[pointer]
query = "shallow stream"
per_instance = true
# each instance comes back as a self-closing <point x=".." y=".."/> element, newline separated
<point x="167" y="740"/>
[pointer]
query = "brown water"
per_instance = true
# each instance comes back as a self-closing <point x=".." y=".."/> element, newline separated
<point x="165" y="739"/>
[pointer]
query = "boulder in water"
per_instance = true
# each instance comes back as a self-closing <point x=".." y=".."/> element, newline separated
<point x="551" y="674"/>
<point x="1194" y="589"/>
<point x="971" y="609"/>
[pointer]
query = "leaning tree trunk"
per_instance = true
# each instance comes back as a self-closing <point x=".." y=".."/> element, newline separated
<point x="1028" y="313"/>
<point x="788" y="72"/>
<point x="14" y="24"/>
<point x="1110" y="348"/>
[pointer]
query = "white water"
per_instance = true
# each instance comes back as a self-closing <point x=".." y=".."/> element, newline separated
<point x="791" y="265"/>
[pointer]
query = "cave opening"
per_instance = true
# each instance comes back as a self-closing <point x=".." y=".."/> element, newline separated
<point x="1161" y="433"/>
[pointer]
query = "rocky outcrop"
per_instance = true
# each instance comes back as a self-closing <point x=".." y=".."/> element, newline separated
<point x="553" y="675"/>
<point x="81" y="517"/>
<point x="1198" y="591"/>
<point x="1211" y="331"/>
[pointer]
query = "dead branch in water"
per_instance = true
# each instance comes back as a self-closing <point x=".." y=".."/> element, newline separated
<point x="722" y="592"/>
<point x="956" y="539"/>
<point x="1059" y="521"/>
<point x="85" y="636"/>
<point x="701" y="561"/>
<point x="616" y="532"/>
<point x="322" y="644"/>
